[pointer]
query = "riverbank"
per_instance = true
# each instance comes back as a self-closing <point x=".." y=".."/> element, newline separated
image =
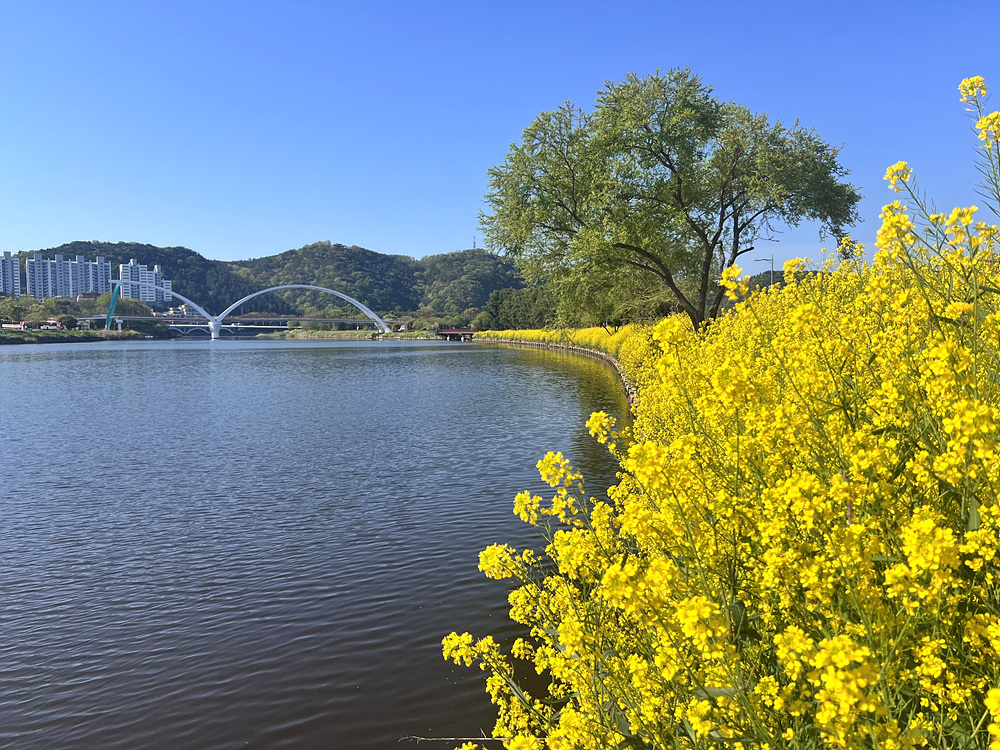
<point x="298" y="333"/>
<point x="302" y="335"/>
<point x="629" y="349"/>
<point x="65" y="337"/>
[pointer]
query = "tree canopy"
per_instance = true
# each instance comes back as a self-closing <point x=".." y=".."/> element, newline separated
<point x="660" y="181"/>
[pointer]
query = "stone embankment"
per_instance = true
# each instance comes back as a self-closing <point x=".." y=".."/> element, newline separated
<point x="630" y="390"/>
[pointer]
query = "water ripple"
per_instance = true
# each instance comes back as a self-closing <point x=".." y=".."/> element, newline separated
<point x="266" y="546"/>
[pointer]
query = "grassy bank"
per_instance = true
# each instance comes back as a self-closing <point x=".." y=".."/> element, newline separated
<point x="298" y="334"/>
<point x="64" y="337"/>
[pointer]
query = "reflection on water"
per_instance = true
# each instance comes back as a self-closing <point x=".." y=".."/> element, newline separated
<point x="210" y="545"/>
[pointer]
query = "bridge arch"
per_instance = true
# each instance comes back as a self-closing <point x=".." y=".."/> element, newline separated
<point x="382" y="326"/>
<point x="215" y="321"/>
<point x="118" y="285"/>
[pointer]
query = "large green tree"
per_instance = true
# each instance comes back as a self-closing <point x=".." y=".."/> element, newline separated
<point x="662" y="181"/>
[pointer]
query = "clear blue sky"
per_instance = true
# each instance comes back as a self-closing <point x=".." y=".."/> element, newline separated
<point x="242" y="129"/>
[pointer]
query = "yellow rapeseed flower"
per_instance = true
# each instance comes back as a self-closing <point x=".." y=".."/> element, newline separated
<point x="989" y="128"/>
<point x="803" y="543"/>
<point x="898" y="172"/>
<point x="972" y="87"/>
<point x="735" y="286"/>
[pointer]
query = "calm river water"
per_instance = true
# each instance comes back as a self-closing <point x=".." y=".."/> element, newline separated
<point x="261" y="544"/>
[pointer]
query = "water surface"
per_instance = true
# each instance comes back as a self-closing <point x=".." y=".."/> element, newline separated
<point x="261" y="544"/>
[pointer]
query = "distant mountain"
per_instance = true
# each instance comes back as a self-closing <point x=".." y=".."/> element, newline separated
<point x="389" y="284"/>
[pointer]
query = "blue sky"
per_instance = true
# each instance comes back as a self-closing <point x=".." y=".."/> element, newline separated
<point x="244" y="129"/>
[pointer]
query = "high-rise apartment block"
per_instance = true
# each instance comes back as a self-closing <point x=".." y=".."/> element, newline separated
<point x="135" y="271"/>
<point x="66" y="278"/>
<point x="10" y="275"/>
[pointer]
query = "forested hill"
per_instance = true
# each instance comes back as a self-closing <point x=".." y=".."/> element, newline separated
<point x="391" y="284"/>
<point x="386" y="283"/>
<point x="453" y="282"/>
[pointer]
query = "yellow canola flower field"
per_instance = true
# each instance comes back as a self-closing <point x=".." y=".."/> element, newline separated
<point x="803" y="550"/>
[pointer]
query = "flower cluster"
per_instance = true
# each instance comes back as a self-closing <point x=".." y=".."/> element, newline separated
<point x="898" y="172"/>
<point x="987" y="129"/>
<point x="735" y="286"/>
<point x="803" y="550"/>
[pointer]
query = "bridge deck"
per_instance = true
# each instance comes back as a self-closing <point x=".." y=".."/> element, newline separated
<point x="456" y="334"/>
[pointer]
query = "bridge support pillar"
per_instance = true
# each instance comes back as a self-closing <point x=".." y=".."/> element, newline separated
<point x="214" y="327"/>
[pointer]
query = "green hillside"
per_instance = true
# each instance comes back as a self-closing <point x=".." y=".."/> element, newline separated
<point x="389" y="284"/>
<point x="454" y="282"/>
<point x="385" y="283"/>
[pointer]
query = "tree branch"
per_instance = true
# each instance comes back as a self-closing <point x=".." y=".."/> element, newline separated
<point x="667" y="277"/>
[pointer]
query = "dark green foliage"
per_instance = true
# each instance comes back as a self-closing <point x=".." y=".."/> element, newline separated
<point x="531" y="307"/>
<point x="454" y="282"/>
<point x="766" y="278"/>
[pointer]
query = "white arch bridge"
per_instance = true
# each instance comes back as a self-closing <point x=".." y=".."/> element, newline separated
<point x="215" y="321"/>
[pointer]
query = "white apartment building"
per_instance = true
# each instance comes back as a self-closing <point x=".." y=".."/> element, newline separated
<point x="90" y="276"/>
<point x="10" y="275"/>
<point x="45" y="277"/>
<point x="40" y="277"/>
<point x="135" y="271"/>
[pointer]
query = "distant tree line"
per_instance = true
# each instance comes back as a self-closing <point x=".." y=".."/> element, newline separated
<point x="65" y="311"/>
